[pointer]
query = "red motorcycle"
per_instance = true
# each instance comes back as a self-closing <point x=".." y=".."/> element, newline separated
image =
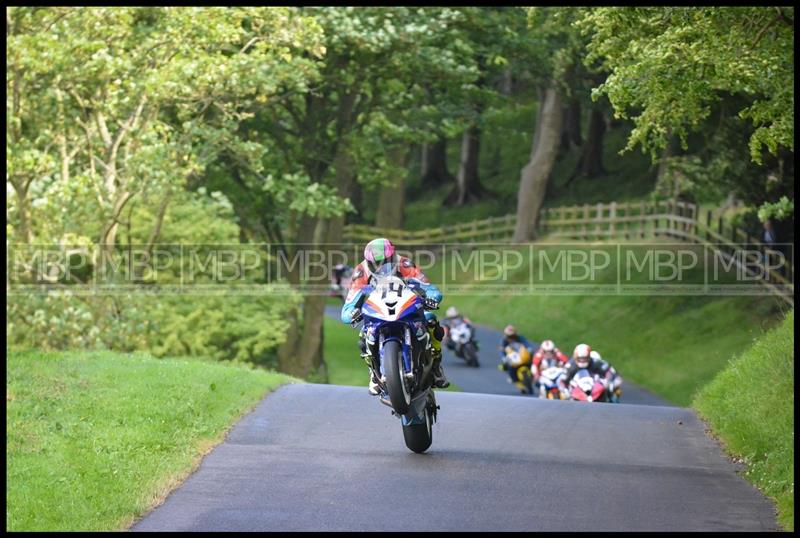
<point x="585" y="387"/>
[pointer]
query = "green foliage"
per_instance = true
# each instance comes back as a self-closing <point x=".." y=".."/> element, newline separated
<point x="96" y="439"/>
<point x="222" y="327"/>
<point x="750" y="406"/>
<point x="669" y="65"/>
<point x="109" y="103"/>
<point x="780" y="210"/>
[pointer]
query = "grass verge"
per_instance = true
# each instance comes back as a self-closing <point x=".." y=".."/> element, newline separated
<point x="94" y="440"/>
<point x="750" y="407"/>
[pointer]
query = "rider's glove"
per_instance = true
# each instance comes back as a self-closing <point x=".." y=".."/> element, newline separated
<point x="431" y="304"/>
<point x="502" y="366"/>
<point x="356" y="316"/>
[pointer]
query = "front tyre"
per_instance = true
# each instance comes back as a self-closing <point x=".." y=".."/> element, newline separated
<point x="472" y="356"/>
<point x="419" y="437"/>
<point x="399" y="393"/>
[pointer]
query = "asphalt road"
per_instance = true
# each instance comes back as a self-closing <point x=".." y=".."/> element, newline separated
<point x="331" y="458"/>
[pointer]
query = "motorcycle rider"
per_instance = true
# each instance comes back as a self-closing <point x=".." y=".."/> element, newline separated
<point x="377" y="253"/>
<point x="582" y="359"/>
<point x="615" y="381"/>
<point x="510" y="335"/>
<point x="546" y="351"/>
<point x="453" y="319"/>
<point x="339" y="271"/>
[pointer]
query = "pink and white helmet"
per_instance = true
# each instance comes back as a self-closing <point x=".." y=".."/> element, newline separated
<point x="377" y="252"/>
<point x="548" y="346"/>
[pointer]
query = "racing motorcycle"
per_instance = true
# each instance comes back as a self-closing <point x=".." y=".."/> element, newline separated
<point x="404" y="363"/>
<point x="550" y="371"/>
<point x="342" y="288"/>
<point x="464" y="346"/>
<point x="585" y="387"/>
<point x="519" y="359"/>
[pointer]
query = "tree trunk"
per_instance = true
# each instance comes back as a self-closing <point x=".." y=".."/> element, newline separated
<point x="434" y="164"/>
<point x="391" y="200"/>
<point x="301" y="355"/>
<point x="468" y="187"/>
<point x="571" y="132"/>
<point x="23" y="211"/>
<point x="591" y="163"/>
<point x="534" y="176"/>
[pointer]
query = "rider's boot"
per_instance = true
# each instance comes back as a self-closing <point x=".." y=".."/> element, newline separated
<point x="374" y="388"/>
<point x="439" y="380"/>
<point x="366" y="356"/>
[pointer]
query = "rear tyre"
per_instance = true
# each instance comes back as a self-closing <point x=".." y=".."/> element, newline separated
<point x="419" y="437"/>
<point x="399" y="393"/>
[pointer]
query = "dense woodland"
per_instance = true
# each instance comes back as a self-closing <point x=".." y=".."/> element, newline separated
<point x="274" y="125"/>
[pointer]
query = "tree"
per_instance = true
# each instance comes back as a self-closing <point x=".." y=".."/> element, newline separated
<point x="143" y="97"/>
<point x="552" y="47"/>
<point x="670" y="64"/>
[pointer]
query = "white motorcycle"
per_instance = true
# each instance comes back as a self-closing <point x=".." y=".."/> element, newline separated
<point x="548" y="379"/>
<point x="463" y="344"/>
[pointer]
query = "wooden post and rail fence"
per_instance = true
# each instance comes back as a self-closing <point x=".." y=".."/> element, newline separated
<point x="681" y="221"/>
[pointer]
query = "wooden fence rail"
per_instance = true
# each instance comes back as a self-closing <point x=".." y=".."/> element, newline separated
<point x="632" y="221"/>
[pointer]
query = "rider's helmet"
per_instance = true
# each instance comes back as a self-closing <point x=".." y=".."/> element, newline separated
<point x="595" y="356"/>
<point x="582" y="355"/>
<point x="451" y="312"/>
<point x="510" y="331"/>
<point x="378" y="252"/>
<point x="548" y="346"/>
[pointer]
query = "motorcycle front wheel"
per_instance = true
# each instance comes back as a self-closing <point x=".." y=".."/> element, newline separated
<point x="397" y="386"/>
<point x="419" y="437"/>
<point x="472" y="356"/>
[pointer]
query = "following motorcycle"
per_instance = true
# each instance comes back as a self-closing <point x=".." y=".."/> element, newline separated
<point x="550" y="370"/>
<point x="585" y="387"/>
<point x="463" y="344"/>
<point x="518" y="362"/>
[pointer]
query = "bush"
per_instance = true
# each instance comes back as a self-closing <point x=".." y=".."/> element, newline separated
<point x="234" y="328"/>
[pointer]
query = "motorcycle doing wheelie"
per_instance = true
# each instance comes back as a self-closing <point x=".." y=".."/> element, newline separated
<point x="585" y="387"/>
<point x="550" y="371"/>
<point x="517" y="362"/>
<point x="464" y="345"/>
<point x="392" y="311"/>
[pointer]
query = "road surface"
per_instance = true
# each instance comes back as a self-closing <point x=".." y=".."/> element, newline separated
<point x="331" y="458"/>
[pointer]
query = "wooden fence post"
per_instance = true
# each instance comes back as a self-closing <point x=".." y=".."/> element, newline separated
<point x="643" y="214"/>
<point x="612" y="215"/>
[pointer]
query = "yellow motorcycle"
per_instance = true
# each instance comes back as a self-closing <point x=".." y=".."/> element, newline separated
<point x="518" y="365"/>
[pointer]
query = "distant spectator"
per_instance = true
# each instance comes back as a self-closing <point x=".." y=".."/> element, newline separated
<point x="773" y="249"/>
<point x="769" y="234"/>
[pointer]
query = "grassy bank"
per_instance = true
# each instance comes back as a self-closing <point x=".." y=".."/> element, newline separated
<point x="95" y="439"/>
<point x="750" y="406"/>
